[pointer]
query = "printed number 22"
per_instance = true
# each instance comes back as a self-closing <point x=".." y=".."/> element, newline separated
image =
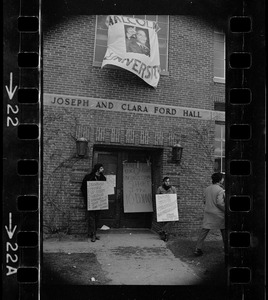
<point x="14" y="111"/>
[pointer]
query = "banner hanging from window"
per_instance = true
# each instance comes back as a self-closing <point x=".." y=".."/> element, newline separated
<point x="133" y="45"/>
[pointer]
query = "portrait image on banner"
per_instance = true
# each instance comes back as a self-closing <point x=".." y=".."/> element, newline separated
<point x="137" y="40"/>
<point x="133" y="45"/>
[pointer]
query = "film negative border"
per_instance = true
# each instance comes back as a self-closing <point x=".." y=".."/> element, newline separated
<point x="239" y="270"/>
<point x="245" y="175"/>
<point x="22" y="114"/>
<point x="29" y="132"/>
<point x="21" y="145"/>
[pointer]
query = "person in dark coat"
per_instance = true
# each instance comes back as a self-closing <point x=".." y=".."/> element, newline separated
<point x="214" y="212"/>
<point x="166" y="188"/>
<point x="92" y="215"/>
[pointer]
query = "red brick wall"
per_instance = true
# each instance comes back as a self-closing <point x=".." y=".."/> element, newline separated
<point x="68" y="59"/>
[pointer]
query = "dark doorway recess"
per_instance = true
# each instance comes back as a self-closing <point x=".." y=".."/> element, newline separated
<point x="113" y="160"/>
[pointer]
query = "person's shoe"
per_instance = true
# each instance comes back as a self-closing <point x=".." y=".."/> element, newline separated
<point x="94" y="234"/>
<point x="93" y="238"/>
<point x="163" y="235"/>
<point x="198" y="252"/>
<point x="165" y="239"/>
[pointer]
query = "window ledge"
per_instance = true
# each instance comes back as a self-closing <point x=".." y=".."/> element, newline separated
<point x="219" y="79"/>
<point x="165" y="73"/>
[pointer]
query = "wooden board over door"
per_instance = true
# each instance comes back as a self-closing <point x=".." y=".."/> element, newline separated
<point x="137" y="187"/>
<point x="113" y="160"/>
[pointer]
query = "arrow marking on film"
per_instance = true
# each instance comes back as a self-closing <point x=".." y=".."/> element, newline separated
<point x="10" y="91"/>
<point x="9" y="230"/>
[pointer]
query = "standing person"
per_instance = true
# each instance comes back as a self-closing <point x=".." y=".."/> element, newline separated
<point x="93" y="215"/>
<point x="214" y="211"/>
<point x="165" y="188"/>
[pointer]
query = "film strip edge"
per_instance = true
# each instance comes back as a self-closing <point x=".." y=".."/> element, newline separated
<point x="245" y="275"/>
<point x="21" y="155"/>
<point x="19" y="229"/>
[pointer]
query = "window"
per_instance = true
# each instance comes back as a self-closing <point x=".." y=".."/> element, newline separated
<point x="101" y="36"/>
<point x="219" y="148"/>
<point x="219" y="57"/>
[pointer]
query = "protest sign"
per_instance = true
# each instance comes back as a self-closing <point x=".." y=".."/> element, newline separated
<point x="110" y="184"/>
<point x="97" y="196"/>
<point x="167" y="208"/>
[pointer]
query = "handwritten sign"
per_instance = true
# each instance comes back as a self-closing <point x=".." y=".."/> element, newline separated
<point x="97" y="195"/>
<point x="137" y="187"/>
<point x="110" y="184"/>
<point x="167" y="208"/>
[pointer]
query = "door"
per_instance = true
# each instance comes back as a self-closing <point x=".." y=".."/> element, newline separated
<point x="113" y="161"/>
<point x="109" y="160"/>
<point x="133" y="219"/>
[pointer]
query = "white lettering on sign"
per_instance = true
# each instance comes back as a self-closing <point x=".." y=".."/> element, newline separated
<point x="132" y="107"/>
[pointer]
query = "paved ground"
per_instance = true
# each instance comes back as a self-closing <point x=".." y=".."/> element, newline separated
<point x="130" y="257"/>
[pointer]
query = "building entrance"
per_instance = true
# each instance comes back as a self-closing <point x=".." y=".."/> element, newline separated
<point x="120" y="214"/>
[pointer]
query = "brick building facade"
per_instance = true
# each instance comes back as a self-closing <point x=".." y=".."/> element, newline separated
<point x="126" y="120"/>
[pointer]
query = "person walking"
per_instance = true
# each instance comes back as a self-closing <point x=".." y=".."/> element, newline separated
<point x="166" y="188"/>
<point x="92" y="215"/>
<point x="214" y="211"/>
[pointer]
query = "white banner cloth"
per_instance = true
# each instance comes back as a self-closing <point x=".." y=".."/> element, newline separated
<point x="133" y="45"/>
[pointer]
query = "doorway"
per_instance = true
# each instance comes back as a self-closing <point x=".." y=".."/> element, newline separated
<point x="113" y="161"/>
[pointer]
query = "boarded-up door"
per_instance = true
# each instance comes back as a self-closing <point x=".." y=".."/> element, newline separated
<point x="130" y="171"/>
<point x="137" y="187"/>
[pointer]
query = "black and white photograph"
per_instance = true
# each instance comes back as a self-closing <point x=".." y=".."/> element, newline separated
<point x="139" y="177"/>
<point x="101" y="123"/>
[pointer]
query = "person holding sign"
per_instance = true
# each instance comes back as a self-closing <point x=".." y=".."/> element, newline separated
<point x="214" y="211"/>
<point x="92" y="215"/>
<point x="165" y="188"/>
